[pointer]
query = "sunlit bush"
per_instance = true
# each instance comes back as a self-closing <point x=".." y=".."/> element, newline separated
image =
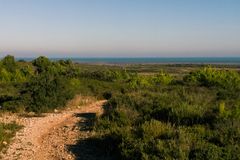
<point x="162" y="78"/>
<point x="213" y="77"/>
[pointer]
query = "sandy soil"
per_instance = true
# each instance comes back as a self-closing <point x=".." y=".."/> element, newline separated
<point x="49" y="137"/>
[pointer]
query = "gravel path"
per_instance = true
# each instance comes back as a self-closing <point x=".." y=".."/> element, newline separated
<point x="47" y="138"/>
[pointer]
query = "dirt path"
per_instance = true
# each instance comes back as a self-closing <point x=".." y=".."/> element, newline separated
<point x="49" y="137"/>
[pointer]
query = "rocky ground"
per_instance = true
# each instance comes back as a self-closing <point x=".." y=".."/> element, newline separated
<point x="53" y="136"/>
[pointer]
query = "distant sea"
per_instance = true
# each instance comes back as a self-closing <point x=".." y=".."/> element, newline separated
<point x="153" y="60"/>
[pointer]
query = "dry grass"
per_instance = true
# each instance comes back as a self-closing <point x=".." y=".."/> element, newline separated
<point x="79" y="101"/>
<point x="7" y="131"/>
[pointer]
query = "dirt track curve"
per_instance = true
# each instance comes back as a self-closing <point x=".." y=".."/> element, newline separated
<point x="53" y="136"/>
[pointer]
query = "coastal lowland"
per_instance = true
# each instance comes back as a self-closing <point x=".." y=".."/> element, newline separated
<point x="62" y="109"/>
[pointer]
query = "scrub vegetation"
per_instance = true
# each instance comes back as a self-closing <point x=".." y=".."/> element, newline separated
<point x="7" y="131"/>
<point x="197" y="117"/>
<point x="178" y="112"/>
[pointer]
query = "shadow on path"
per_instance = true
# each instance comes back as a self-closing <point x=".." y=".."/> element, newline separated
<point x="87" y="147"/>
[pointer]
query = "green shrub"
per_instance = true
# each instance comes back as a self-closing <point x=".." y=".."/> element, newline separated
<point x="162" y="78"/>
<point x="213" y="77"/>
<point x="7" y="131"/>
<point x="205" y="151"/>
<point x="9" y="63"/>
<point x="171" y="122"/>
<point x="155" y="129"/>
<point x="106" y="75"/>
<point x="48" y="92"/>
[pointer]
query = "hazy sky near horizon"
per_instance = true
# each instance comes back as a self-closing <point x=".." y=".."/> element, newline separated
<point x="120" y="28"/>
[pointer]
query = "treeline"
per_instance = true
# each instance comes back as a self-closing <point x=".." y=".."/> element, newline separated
<point x="11" y="71"/>
<point x="38" y="86"/>
<point x="43" y="85"/>
<point x="106" y="75"/>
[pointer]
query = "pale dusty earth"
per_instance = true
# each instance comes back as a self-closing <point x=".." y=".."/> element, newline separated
<point x="54" y="136"/>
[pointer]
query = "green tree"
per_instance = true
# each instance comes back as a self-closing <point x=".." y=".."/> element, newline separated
<point x="48" y="91"/>
<point x="9" y="63"/>
<point x="42" y="64"/>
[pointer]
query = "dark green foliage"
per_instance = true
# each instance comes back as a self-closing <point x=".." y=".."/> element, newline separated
<point x="42" y="64"/>
<point x="39" y="87"/>
<point x="106" y="75"/>
<point x="9" y="94"/>
<point x="9" y="63"/>
<point x="47" y="92"/>
<point x="107" y="95"/>
<point x="172" y="122"/>
<point x="52" y="87"/>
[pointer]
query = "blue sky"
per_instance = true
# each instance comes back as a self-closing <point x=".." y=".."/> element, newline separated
<point x="120" y="28"/>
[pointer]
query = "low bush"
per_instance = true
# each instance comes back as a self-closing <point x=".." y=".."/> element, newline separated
<point x="7" y="131"/>
<point x="47" y="92"/>
<point x="211" y="77"/>
<point x="106" y="75"/>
